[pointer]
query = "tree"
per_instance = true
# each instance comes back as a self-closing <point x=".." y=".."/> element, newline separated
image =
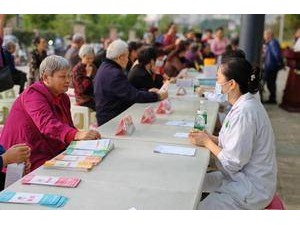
<point x="292" y="23"/>
<point x="164" y="23"/>
<point x="96" y="25"/>
<point x="99" y="25"/>
<point x="2" y="18"/>
<point x="39" y="21"/>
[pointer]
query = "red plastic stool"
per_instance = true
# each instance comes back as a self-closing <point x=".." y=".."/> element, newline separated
<point x="276" y="203"/>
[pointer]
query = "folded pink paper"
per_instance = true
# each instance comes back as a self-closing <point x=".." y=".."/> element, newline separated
<point x="164" y="107"/>
<point x="125" y="126"/>
<point x="148" y="115"/>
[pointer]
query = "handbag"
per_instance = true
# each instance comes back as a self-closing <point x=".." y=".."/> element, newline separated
<point x="6" y="81"/>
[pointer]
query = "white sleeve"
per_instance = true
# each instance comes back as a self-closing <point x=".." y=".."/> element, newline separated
<point x="238" y="144"/>
<point x="212" y="96"/>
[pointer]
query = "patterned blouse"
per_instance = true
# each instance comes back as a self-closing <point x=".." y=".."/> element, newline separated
<point x="34" y="65"/>
<point x="83" y="85"/>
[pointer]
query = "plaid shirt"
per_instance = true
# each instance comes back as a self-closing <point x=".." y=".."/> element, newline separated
<point x="34" y="64"/>
<point x="83" y="85"/>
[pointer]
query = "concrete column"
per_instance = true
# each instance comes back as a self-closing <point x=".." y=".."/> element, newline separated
<point x="251" y="36"/>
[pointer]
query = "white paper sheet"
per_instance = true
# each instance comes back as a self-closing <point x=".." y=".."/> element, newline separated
<point x="181" y="135"/>
<point x="180" y="123"/>
<point x="101" y="144"/>
<point x="166" y="149"/>
<point x="14" y="172"/>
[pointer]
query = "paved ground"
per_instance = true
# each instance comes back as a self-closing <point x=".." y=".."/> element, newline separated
<point x="286" y="127"/>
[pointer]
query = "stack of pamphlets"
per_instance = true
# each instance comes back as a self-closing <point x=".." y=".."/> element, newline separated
<point x="51" y="180"/>
<point x="81" y="155"/>
<point x="50" y="200"/>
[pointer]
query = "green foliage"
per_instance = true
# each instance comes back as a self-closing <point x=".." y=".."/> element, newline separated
<point x="96" y="25"/>
<point x="164" y="23"/>
<point x="214" y="24"/>
<point x="39" y="21"/>
<point x="25" y="37"/>
<point x="63" y="24"/>
<point x="99" y="25"/>
<point x="292" y="21"/>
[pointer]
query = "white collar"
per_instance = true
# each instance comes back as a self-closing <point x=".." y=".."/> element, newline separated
<point x="241" y="99"/>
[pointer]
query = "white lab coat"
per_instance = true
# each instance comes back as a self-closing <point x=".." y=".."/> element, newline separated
<point x="247" y="160"/>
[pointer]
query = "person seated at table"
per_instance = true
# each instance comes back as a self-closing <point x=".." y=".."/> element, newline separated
<point x="41" y="115"/>
<point x="141" y="76"/>
<point x="18" y="76"/>
<point x="193" y="56"/>
<point x="176" y="60"/>
<point x="133" y="48"/>
<point x="113" y="92"/>
<point x="160" y="64"/>
<point x="15" y="154"/>
<point x="83" y="74"/>
<point x="38" y="54"/>
<point x="245" y="147"/>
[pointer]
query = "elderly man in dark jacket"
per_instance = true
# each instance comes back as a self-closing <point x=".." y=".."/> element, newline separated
<point x="273" y="62"/>
<point x="113" y="92"/>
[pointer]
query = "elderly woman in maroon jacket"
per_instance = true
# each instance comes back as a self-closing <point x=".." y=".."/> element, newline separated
<point x="41" y="115"/>
<point x="83" y="74"/>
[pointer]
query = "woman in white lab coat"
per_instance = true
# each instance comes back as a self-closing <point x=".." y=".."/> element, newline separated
<point x="245" y="148"/>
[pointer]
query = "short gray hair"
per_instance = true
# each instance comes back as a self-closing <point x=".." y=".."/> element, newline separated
<point x="269" y="31"/>
<point x="10" y="44"/>
<point x="52" y="64"/>
<point x="116" y="48"/>
<point x="86" y="50"/>
<point x="77" y="38"/>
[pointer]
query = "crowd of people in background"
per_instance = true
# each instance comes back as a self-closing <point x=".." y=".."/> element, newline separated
<point x="173" y="53"/>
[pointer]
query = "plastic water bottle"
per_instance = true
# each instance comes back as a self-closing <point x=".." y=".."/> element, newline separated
<point x="201" y="117"/>
<point x="196" y="84"/>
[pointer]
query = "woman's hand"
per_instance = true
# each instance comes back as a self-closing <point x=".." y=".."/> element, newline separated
<point x="204" y="139"/>
<point x="16" y="154"/>
<point x="199" y="138"/>
<point x="155" y="90"/>
<point x="87" y="135"/>
<point x="89" y="70"/>
<point x="162" y="95"/>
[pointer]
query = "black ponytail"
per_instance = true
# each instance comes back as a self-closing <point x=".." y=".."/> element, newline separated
<point x="240" y="70"/>
<point x="36" y="40"/>
<point x="254" y="81"/>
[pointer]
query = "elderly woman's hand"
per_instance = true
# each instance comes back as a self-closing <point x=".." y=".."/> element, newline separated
<point x="89" y="70"/>
<point x="163" y="95"/>
<point x="87" y="135"/>
<point x="155" y="90"/>
<point x="199" y="138"/>
<point x="16" y="154"/>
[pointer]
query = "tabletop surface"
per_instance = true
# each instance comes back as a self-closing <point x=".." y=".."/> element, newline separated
<point x="132" y="175"/>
